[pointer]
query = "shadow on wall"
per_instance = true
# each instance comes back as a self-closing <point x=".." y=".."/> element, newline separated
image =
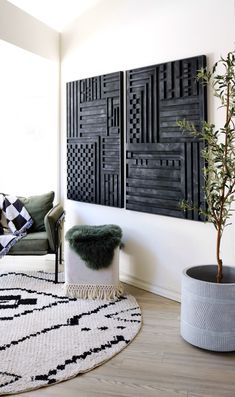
<point x="133" y="259"/>
<point x="78" y="220"/>
<point x="103" y="14"/>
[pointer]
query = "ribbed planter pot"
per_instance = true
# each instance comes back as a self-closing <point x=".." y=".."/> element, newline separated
<point x="208" y="308"/>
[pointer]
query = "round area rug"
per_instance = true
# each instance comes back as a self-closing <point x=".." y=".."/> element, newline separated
<point x="46" y="337"/>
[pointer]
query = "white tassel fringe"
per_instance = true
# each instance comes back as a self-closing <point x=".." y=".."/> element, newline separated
<point x="92" y="291"/>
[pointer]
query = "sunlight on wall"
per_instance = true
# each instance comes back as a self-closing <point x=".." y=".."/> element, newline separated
<point x="28" y="122"/>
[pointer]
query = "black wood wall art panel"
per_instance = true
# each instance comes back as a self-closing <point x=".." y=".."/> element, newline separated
<point x="164" y="166"/>
<point x="95" y="140"/>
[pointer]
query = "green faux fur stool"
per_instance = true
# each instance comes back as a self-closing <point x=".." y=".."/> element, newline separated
<point x="92" y="262"/>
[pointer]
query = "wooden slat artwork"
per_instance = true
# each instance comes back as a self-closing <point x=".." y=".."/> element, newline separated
<point x="95" y="140"/>
<point x="164" y="166"/>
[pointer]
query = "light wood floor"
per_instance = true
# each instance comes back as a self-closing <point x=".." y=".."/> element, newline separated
<point x="157" y="363"/>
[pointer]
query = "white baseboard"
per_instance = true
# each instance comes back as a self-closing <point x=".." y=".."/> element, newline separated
<point x="129" y="279"/>
<point x="45" y="263"/>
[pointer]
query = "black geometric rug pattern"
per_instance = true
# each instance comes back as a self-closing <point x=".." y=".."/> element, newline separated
<point x="47" y="337"/>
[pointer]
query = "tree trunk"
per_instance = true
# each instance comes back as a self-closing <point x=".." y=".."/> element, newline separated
<point x="219" y="275"/>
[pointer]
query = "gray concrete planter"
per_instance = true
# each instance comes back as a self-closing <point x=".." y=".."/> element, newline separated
<point x="208" y="308"/>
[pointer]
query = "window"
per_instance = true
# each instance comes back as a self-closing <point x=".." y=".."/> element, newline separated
<point x="28" y="122"/>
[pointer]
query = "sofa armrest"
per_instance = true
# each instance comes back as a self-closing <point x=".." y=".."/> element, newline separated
<point x="53" y="222"/>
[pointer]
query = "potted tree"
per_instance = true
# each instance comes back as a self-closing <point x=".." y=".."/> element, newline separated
<point x="208" y="291"/>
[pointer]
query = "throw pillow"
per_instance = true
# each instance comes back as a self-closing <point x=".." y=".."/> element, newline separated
<point x="17" y="217"/>
<point x="38" y="207"/>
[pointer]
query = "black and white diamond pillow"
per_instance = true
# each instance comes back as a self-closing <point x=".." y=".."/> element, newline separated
<point x="18" y="218"/>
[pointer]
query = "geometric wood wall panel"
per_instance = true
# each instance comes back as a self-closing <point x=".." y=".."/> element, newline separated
<point x="164" y="166"/>
<point x="95" y="140"/>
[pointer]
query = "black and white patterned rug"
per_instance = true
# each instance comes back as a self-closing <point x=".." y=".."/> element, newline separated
<point x="46" y="337"/>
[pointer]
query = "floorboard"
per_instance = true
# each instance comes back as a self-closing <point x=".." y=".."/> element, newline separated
<point x="157" y="363"/>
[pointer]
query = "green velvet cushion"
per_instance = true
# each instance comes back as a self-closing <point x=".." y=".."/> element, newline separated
<point x="38" y="207"/>
<point x="31" y="244"/>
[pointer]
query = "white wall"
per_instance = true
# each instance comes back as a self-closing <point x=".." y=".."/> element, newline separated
<point x="29" y="102"/>
<point x="21" y="29"/>
<point x="123" y="34"/>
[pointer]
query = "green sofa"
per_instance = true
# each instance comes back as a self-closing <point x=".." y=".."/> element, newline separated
<point x="45" y="235"/>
